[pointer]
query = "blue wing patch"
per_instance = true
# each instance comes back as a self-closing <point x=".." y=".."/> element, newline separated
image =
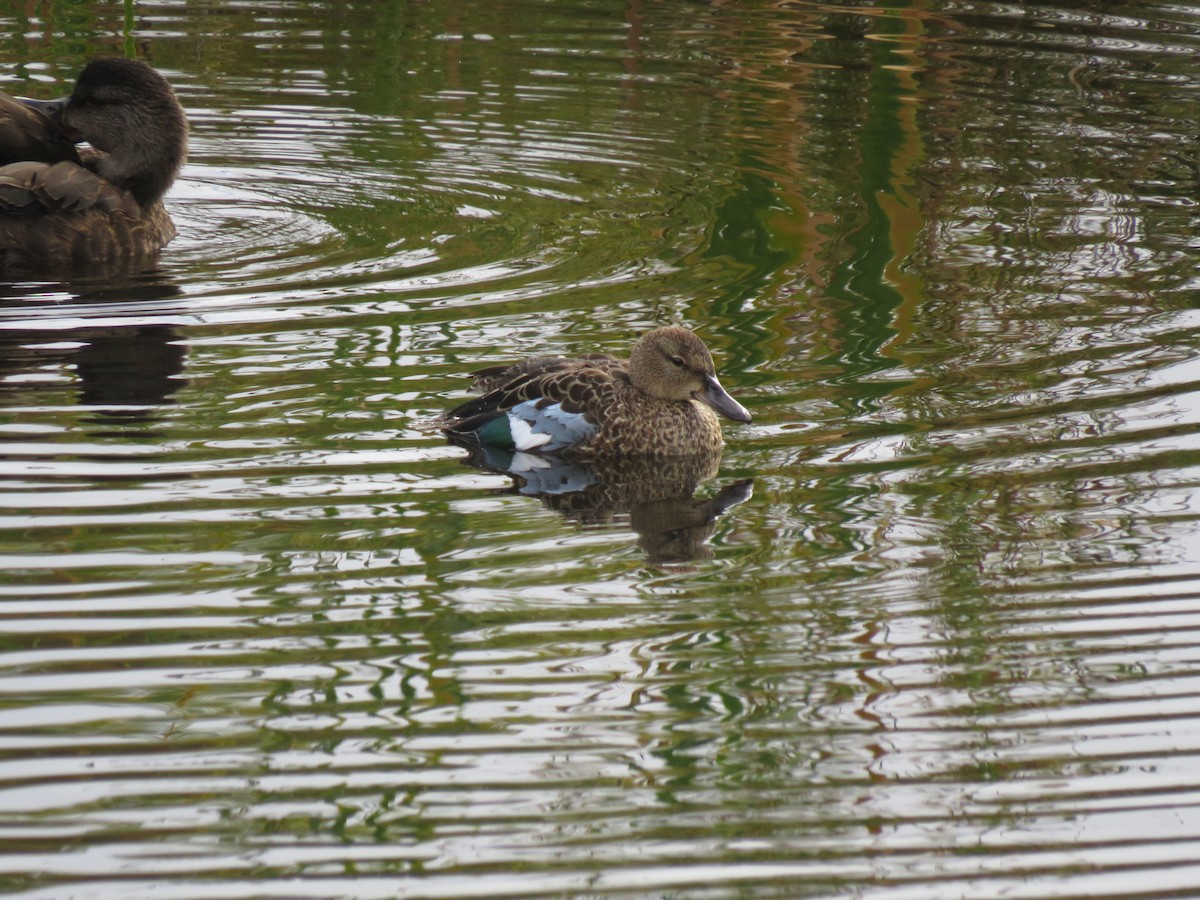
<point x="546" y="427"/>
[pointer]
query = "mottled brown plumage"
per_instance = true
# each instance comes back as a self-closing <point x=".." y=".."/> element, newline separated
<point x="63" y="209"/>
<point x="660" y="402"/>
<point x="494" y="377"/>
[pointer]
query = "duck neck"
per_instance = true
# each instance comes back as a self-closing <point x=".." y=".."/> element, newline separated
<point x="146" y="183"/>
<point x="146" y="169"/>
<point x="146" y="189"/>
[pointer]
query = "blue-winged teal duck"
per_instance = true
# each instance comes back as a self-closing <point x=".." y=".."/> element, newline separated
<point x="63" y="206"/>
<point x="659" y="402"/>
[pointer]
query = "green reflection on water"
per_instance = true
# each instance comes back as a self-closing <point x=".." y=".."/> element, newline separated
<point x="871" y="299"/>
<point x="739" y="233"/>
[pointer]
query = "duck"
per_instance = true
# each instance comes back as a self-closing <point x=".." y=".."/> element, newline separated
<point x="663" y="401"/>
<point x="63" y="205"/>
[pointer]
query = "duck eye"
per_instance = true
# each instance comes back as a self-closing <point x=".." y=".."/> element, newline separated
<point x="677" y="361"/>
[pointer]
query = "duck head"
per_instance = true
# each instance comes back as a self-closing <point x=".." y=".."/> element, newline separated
<point x="126" y="110"/>
<point x="672" y="363"/>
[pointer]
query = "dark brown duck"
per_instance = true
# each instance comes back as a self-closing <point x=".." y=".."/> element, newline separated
<point x="73" y="207"/>
<point x="662" y="401"/>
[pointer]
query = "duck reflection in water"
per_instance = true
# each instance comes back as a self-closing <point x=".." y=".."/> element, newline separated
<point x="593" y="436"/>
<point x="658" y="494"/>
<point x="124" y="373"/>
<point x="66" y="206"/>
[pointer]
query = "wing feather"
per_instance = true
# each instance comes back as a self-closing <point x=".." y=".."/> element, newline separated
<point x="550" y="403"/>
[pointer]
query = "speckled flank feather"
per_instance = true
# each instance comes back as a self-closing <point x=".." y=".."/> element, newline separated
<point x="658" y="403"/>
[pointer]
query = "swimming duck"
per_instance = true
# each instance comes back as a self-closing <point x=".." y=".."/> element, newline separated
<point x="66" y="206"/>
<point x="662" y="401"/>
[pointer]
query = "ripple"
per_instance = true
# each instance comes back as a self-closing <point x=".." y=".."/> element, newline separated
<point x="265" y="634"/>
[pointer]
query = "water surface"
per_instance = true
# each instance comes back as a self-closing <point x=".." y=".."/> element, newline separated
<point x="264" y="633"/>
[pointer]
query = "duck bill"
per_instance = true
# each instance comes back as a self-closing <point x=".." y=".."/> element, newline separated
<point x="51" y="109"/>
<point x="717" y="397"/>
<point x="55" y="111"/>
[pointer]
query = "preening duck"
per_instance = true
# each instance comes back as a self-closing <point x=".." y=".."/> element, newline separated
<point x="66" y="206"/>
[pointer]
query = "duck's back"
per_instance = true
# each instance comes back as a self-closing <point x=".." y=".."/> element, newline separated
<point x="526" y="370"/>
<point x="27" y="135"/>
<point x="64" y="214"/>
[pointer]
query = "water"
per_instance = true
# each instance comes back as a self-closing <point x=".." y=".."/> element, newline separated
<point x="929" y="630"/>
